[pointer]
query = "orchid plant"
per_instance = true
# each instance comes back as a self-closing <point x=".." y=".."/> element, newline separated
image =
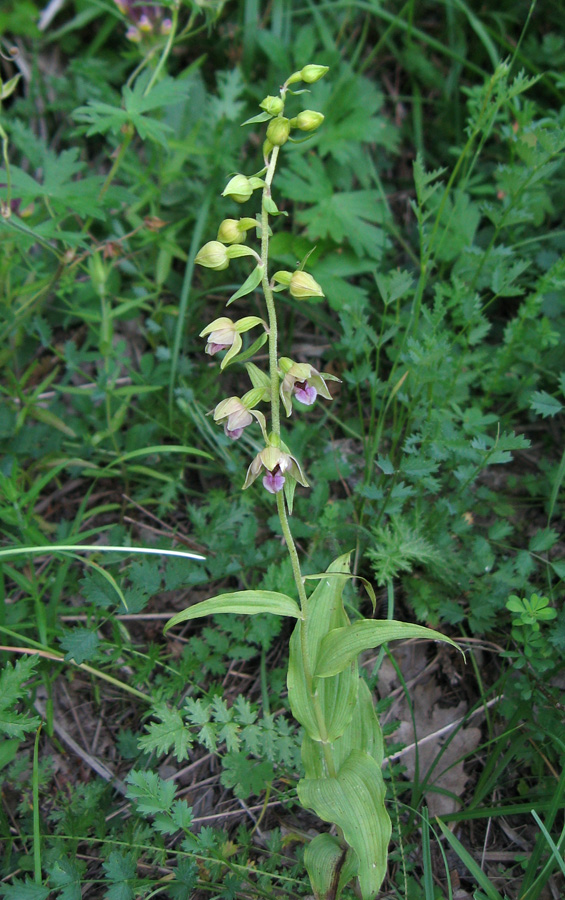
<point x="342" y="749"/>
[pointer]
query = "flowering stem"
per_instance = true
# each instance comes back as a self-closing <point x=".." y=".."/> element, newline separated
<point x="166" y="50"/>
<point x="269" y="299"/>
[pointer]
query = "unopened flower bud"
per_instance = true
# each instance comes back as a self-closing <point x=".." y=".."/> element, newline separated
<point x="278" y="131"/>
<point x="232" y="231"/>
<point x="309" y="74"/>
<point x="213" y="255"/>
<point x="303" y="285"/>
<point x="307" y="120"/>
<point x="272" y="105"/>
<point x="312" y="73"/>
<point x="239" y="188"/>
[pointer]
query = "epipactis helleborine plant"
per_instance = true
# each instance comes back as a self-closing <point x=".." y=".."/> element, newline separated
<point x="342" y="748"/>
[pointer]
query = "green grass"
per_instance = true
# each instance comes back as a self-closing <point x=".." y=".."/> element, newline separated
<point x="434" y="199"/>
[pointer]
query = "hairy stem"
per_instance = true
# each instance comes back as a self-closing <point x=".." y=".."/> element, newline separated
<point x="269" y="299"/>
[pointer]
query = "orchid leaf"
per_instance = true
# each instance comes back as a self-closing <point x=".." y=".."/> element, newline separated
<point x="243" y="603"/>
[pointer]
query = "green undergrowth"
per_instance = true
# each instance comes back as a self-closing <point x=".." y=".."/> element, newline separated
<point x="137" y="765"/>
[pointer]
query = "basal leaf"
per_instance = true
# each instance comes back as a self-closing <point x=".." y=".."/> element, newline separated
<point x="354" y="801"/>
<point x="243" y="603"/>
<point x="362" y="733"/>
<point x="329" y="865"/>
<point x="336" y="696"/>
<point x="342" y="645"/>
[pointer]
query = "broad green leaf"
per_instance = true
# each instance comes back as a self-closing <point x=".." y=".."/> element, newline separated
<point x="330" y="867"/>
<point x="336" y="696"/>
<point x="362" y="733"/>
<point x="354" y="801"/>
<point x="342" y="645"/>
<point x="243" y="603"/>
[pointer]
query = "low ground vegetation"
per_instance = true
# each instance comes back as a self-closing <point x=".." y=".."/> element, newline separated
<point x="136" y="764"/>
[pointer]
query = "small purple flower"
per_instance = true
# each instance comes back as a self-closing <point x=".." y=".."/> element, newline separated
<point x="145" y="19"/>
<point x="302" y="381"/>
<point x="223" y="334"/>
<point x="235" y="416"/>
<point x="275" y="465"/>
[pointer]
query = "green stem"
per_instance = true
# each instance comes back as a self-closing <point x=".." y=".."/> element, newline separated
<point x="269" y="298"/>
<point x="116" y="164"/>
<point x="291" y="547"/>
<point x="166" y="50"/>
<point x="36" y="822"/>
<point x="276" y="429"/>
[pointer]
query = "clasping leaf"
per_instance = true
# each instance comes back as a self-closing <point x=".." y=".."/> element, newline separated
<point x="243" y="603"/>
<point x="342" y="646"/>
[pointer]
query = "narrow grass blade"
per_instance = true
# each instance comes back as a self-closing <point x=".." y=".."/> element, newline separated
<point x="552" y="845"/>
<point x="42" y="549"/>
<point x="427" y="856"/>
<point x="35" y="792"/>
<point x="185" y="293"/>
<point x="470" y="863"/>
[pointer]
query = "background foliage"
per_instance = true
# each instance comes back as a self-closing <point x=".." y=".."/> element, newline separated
<point x="435" y="199"/>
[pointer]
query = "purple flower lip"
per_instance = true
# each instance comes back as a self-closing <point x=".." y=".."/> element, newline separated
<point x="215" y="348"/>
<point x="305" y="393"/>
<point x="234" y="434"/>
<point x="274" y="481"/>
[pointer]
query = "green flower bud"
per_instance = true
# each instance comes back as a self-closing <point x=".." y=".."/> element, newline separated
<point x="229" y="232"/>
<point x="213" y="255"/>
<point x="278" y="131"/>
<point x="239" y="188"/>
<point x="232" y="231"/>
<point x="303" y="286"/>
<point x="307" y="120"/>
<point x="312" y="73"/>
<point x="272" y="105"/>
<point x="309" y="74"/>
